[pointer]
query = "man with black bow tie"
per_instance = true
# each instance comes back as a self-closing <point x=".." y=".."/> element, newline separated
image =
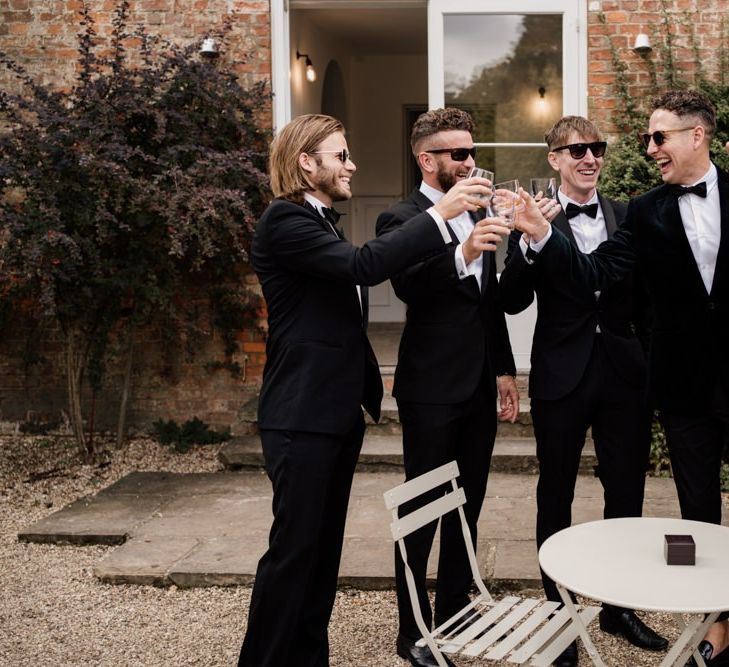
<point x="677" y="237"/>
<point x="320" y="370"/>
<point x="454" y="362"/>
<point x="588" y="367"/>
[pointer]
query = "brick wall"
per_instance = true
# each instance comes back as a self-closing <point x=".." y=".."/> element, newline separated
<point x="623" y="20"/>
<point x="41" y="36"/>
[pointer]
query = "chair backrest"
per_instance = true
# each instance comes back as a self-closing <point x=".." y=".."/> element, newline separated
<point x="402" y="526"/>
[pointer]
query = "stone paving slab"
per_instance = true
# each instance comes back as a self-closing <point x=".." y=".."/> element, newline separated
<point x="211" y="528"/>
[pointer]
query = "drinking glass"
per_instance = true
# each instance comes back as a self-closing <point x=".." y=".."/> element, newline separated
<point x="481" y="173"/>
<point x="504" y="201"/>
<point x="547" y="186"/>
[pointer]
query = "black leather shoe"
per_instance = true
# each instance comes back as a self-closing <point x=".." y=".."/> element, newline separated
<point x="419" y="656"/>
<point x="568" y="657"/>
<point x="617" y="621"/>
<point x="707" y="651"/>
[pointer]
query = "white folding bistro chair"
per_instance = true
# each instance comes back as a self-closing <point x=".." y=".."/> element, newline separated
<point x="519" y="630"/>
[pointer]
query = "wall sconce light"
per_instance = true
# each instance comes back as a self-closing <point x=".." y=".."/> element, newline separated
<point x="310" y="71"/>
<point x="542" y="92"/>
<point x="209" y="49"/>
<point x="642" y="44"/>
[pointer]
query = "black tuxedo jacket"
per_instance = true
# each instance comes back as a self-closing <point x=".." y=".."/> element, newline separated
<point x="568" y="315"/>
<point x="455" y="334"/>
<point x="688" y="352"/>
<point x="320" y="367"/>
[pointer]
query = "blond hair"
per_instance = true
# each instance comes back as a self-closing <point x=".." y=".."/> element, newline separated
<point x="303" y="134"/>
<point x="559" y="133"/>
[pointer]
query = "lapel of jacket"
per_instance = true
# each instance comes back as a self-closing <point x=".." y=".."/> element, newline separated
<point x="561" y="223"/>
<point x="668" y="218"/>
<point x="611" y="224"/>
<point x="423" y="204"/>
<point x="722" y="257"/>
<point x="325" y="225"/>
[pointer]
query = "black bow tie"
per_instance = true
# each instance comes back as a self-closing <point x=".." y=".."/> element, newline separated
<point x="573" y="209"/>
<point x="698" y="189"/>
<point x="331" y="215"/>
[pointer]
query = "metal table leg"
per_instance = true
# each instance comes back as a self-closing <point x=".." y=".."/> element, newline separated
<point x="589" y="646"/>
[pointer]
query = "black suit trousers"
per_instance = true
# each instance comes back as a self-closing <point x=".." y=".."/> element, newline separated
<point x="620" y="424"/>
<point x="432" y="436"/>
<point x="296" y="579"/>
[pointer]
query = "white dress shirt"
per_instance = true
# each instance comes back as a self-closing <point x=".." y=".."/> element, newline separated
<point x="462" y="226"/>
<point x="588" y="232"/>
<point x="701" y="217"/>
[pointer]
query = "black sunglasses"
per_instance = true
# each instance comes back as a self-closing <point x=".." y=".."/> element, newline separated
<point x="659" y="136"/>
<point x="457" y="154"/>
<point x="578" y="151"/>
<point x="343" y="155"/>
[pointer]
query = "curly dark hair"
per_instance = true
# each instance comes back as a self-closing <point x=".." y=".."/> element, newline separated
<point x="689" y="103"/>
<point x="439" y="120"/>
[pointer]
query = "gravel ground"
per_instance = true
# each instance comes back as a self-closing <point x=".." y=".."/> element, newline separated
<point x="53" y="611"/>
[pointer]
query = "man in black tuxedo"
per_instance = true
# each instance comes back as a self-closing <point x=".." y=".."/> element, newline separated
<point x="454" y="356"/>
<point x="588" y="367"/>
<point x="320" y="370"/>
<point x="677" y="235"/>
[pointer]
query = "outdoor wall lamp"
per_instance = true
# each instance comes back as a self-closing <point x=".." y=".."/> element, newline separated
<point x="209" y="49"/>
<point x="310" y="71"/>
<point x="642" y="44"/>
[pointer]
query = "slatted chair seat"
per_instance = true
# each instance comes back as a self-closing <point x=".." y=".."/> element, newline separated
<point x="519" y="630"/>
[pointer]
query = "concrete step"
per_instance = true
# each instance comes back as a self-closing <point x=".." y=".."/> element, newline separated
<point x="384" y="451"/>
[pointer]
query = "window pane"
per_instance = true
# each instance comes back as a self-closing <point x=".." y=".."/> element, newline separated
<point x="522" y="163"/>
<point x="506" y="70"/>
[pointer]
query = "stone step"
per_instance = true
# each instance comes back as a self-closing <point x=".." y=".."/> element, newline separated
<point x="382" y="452"/>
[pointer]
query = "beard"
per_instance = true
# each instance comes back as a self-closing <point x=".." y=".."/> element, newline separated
<point x="327" y="182"/>
<point x="446" y="179"/>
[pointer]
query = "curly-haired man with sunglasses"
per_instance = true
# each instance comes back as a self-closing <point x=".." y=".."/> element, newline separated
<point x="677" y="237"/>
<point x="588" y="367"/>
<point x="454" y="361"/>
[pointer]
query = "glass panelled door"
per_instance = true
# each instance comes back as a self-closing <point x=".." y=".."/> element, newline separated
<point x="515" y="66"/>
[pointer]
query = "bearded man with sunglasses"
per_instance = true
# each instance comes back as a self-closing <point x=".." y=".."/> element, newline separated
<point x="677" y="237"/>
<point x="588" y="368"/>
<point x="320" y="370"/>
<point x="454" y="361"/>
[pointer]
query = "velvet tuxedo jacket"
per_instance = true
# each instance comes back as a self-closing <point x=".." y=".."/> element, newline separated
<point x="320" y="367"/>
<point x="455" y="333"/>
<point x="569" y="314"/>
<point x="688" y="352"/>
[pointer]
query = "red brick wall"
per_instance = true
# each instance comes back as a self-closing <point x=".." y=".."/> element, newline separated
<point x="41" y="36"/>
<point x="623" y="20"/>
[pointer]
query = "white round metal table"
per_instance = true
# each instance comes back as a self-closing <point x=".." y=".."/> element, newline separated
<point x="621" y="562"/>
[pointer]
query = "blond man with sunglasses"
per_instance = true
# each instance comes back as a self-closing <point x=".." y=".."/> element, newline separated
<point x="588" y="368"/>
<point x="677" y="237"/>
<point x="320" y="372"/>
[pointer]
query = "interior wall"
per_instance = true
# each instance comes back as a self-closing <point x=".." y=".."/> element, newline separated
<point x="321" y="48"/>
<point x="384" y="83"/>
